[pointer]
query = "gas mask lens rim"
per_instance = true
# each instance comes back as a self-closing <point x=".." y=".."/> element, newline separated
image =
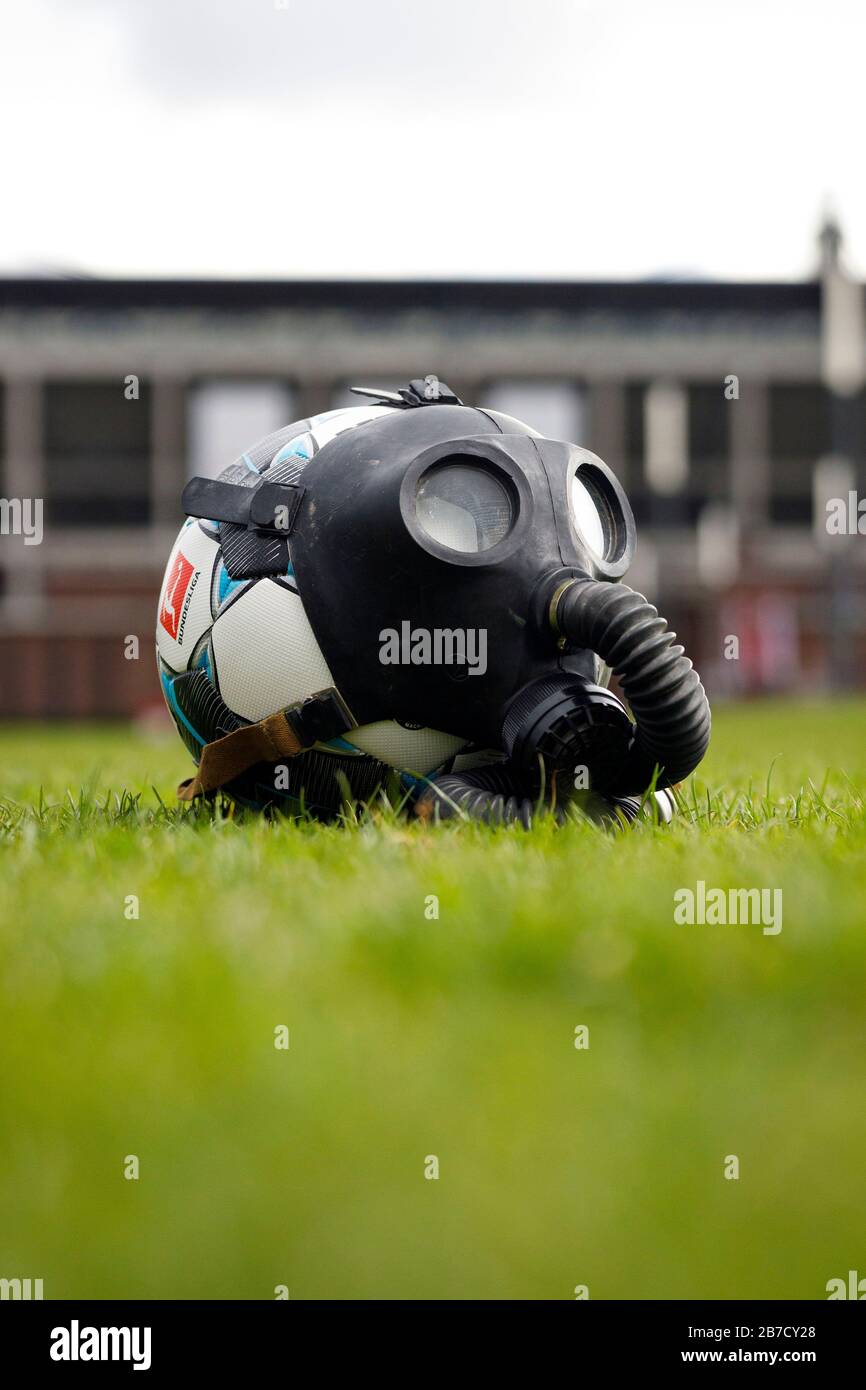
<point x="596" y="513"/>
<point x="465" y="505"/>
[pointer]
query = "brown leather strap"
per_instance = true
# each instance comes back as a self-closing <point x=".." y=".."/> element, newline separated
<point x="227" y="757"/>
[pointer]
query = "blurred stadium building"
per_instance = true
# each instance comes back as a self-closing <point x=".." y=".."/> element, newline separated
<point x="732" y="412"/>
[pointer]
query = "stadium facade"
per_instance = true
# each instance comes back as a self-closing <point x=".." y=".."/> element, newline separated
<point x="732" y="412"/>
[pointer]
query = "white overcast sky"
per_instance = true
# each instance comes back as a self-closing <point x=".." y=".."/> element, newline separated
<point x="574" y="138"/>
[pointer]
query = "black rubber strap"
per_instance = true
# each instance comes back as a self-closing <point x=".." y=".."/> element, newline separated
<point x="268" y="507"/>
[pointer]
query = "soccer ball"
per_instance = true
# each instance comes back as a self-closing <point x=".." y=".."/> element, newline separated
<point x="231" y="651"/>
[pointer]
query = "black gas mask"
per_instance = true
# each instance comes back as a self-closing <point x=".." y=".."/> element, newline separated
<point x="461" y="572"/>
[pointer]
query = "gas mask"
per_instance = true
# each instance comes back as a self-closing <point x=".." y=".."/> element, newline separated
<point x="461" y="572"/>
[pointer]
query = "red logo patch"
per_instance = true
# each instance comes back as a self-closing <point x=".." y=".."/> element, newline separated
<point x="176" y="586"/>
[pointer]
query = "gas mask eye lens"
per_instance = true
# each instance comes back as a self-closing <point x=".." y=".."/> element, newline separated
<point x="464" y="507"/>
<point x="587" y="516"/>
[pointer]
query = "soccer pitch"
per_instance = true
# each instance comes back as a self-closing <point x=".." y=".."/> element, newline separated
<point x="147" y="958"/>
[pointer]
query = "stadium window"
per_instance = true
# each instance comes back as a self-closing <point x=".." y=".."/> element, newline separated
<point x="225" y="417"/>
<point x="704" y="440"/>
<point x="799" y="434"/>
<point x="638" y="492"/>
<point x="554" y="408"/>
<point x="97" y="453"/>
<point x="709" y="417"/>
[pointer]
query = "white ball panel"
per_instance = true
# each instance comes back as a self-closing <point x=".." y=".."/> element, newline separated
<point x="415" y="750"/>
<point x="265" y="653"/>
<point x="184" y="613"/>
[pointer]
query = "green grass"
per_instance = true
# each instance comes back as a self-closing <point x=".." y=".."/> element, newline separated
<point x="412" y="1037"/>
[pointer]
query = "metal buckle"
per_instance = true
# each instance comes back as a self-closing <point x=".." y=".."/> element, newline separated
<point x="320" y="717"/>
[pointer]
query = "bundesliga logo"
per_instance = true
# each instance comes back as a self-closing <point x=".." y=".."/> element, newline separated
<point x="173" y="608"/>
